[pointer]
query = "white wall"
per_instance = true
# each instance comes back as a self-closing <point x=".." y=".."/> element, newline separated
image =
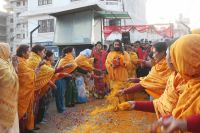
<point x="39" y="37"/>
<point x="33" y="4"/>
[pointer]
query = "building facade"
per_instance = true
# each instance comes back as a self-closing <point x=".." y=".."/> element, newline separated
<point x="3" y="27"/>
<point x="35" y="12"/>
<point x="17" y="27"/>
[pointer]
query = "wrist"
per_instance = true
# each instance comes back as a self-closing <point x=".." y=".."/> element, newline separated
<point x="182" y="124"/>
<point x="132" y="104"/>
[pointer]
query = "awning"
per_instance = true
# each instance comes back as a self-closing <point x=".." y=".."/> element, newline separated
<point x="76" y="7"/>
<point x="113" y="14"/>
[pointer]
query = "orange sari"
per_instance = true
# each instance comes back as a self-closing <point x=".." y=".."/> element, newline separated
<point x="156" y="80"/>
<point x="26" y="91"/>
<point x="69" y="58"/>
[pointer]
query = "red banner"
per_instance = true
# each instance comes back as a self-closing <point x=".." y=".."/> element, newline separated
<point x="165" y="30"/>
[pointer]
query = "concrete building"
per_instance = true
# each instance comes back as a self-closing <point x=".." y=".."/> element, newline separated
<point x="38" y="11"/>
<point x="17" y="26"/>
<point x="3" y="27"/>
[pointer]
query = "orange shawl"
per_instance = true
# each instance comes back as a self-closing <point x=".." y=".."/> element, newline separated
<point x="186" y="60"/>
<point x="84" y="62"/>
<point x="168" y="100"/>
<point x="120" y="73"/>
<point x="196" y="31"/>
<point x="132" y="67"/>
<point x="69" y="58"/>
<point x="156" y="80"/>
<point x="26" y="87"/>
<point x="9" y="88"/>
<point x="45" y="74"/>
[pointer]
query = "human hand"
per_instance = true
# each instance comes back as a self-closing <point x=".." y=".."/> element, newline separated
<point x="120" y="92"/>
<point x="169" y="125"/>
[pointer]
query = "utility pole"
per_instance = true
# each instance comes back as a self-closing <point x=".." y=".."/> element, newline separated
<point x="31" y="35"/>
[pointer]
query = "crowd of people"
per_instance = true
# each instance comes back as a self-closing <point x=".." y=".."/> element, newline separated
<point x="167" y="71"/>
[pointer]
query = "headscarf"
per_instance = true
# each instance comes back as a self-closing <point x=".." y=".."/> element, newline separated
<point x="5" y="52"/>
<point x="86" y="52"/>
<point x="196" y="31"/>
<point x="9" y="88"/>
<point x="186" y="60"/>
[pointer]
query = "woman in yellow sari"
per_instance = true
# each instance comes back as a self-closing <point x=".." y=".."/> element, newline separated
<point x="8" y="92"/>
<point x="154" y="83"/>
<point x="185" y="58"/>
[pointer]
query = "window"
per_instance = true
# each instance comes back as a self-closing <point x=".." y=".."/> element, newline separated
<point x="116" y="22"/>
<point x="17" y="14"/>
<point x="18" y="25"/>
<point x="44" y="2"/>
<point x="46" y="25"/>
<point x="11" y="20"/>
<point x="18" y="36"/>
<point x="23" y="36"/>
<point x="18" y="3"/>
<point x="23" y="3"/>
<point x="11" y="30"/>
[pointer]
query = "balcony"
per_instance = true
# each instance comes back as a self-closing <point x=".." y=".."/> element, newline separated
<point x="8" y="7"/>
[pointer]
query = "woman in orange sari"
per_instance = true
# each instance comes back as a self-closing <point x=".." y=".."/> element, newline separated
<point x="26" y="89"/>
<point x="185" y="58"/>
<point x="46" y="76"/>
<point x="8" y="92"/>
<point x="154" y="83"/>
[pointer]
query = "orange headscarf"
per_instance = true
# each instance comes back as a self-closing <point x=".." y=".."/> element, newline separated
<point x="156" y="80"/>
<point x="9" y="88"/>
<point x="196" y="31"/>
<point x="69" y="58"/>
<point x="186" y="60"/>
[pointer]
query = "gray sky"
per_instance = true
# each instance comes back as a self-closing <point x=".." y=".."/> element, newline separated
<point x="165" y="11"/>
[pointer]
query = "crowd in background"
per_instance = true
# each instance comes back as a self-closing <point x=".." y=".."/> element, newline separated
<point x="30" y="79"/>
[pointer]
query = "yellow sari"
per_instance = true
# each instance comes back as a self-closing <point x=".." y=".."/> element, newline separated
<point x="26" y="91"/>
<point x="156" y="80"/>
<point x="186" y="60"/>
<point x="9" y="88"/>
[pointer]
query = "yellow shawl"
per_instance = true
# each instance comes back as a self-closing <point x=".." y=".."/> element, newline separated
<point x="186" y="60"/>
<point x="156" y="80"/>
<point x="132" y="67"/>
<point x="9" y="88"/>
<point x="69" y="58"/>
<point x="120" y="73"/>
<point x="84" y="62"/>
<point x="45" y="74"/>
